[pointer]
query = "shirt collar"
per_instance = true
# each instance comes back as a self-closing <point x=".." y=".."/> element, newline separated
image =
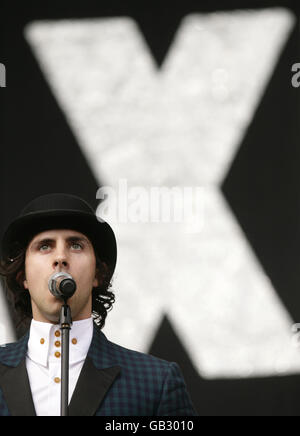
<point x="44" y="343"/>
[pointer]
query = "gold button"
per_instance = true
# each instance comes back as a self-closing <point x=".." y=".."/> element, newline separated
<point x="57" y="354"/>
<point x="74" y="341"/>
<point x="57" y="333"/>
<point x="42" y="341"/>
<point x="57" y="380"/>
<point x="57" y="343"/>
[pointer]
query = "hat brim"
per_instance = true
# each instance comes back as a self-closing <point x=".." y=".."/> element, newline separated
<point x="21" y="231"/>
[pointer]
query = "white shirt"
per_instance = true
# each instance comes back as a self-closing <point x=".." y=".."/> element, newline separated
<point x="43" y="362"/>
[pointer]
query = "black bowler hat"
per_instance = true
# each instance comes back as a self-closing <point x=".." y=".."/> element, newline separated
<point x="60" y="211"/>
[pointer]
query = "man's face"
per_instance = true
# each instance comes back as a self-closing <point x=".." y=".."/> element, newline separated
<point x="54" y="251"/>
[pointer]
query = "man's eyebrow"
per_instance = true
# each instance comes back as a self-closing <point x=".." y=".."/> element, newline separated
<point x="77" y="239"/>
<point x="43" y="241"/>
<point x="73" y="238"/>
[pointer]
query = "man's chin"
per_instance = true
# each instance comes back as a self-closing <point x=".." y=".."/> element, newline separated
<point x="53" y="316"/>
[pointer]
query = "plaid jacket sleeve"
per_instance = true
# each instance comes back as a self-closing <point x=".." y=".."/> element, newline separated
<point x="175" y="400"/>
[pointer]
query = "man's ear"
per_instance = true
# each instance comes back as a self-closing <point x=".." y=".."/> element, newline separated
<point x="100" y="275"/>
<point x="21" y="279"/>
<point x="96" y="280"/>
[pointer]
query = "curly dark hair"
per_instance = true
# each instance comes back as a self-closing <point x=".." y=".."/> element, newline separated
<point x="13" y="271"/>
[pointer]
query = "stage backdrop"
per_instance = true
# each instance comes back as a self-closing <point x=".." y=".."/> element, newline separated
<point x="182" y="98"/>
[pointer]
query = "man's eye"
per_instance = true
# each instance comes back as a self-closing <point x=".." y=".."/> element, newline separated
<point x="76" y="246"/>
<point x="44" y="247"/>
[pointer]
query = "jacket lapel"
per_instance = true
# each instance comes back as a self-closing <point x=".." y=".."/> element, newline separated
<point x="91" y="388"/>
<point x="16" y="390"/>
<point x="14" y="381"/>
<point x="97" y="376"/>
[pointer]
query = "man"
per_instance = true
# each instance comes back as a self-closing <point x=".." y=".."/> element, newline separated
<point x="60" y="233"/>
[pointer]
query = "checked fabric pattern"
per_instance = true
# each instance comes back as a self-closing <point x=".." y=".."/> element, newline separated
<point x="145" y="386"/>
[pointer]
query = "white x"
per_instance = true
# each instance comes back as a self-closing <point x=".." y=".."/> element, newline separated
<point x="179" y="126"/>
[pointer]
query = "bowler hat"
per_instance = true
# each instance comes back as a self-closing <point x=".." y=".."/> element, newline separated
<point x="60" y="211"/>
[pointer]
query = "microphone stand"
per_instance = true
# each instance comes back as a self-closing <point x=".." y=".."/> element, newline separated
<point x="65" y="326"/>
<point x="63" y="289"/>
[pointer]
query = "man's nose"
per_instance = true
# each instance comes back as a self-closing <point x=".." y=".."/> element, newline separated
<point x="60" y="260"/>
<point x="60" y="263"/>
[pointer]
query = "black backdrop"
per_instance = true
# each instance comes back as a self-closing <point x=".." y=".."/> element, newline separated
<point x="262" y="186"/>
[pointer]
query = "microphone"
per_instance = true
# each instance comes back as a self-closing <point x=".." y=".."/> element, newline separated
<point x="62" y="285"/>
